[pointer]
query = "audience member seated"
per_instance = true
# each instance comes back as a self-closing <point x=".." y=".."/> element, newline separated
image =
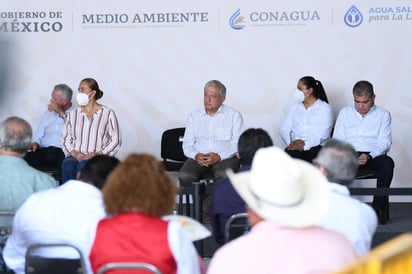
<point x="285" y="198"/>
<point x="66" y="214"/>
<point x="210" y="140"/>
<point x="368" y="128"/>
<point x="45" y="148"/>
<point x="309" y="122"/>
<point x="90" y="129"/>
<point x="18" y="180"/>
<point x="138" y="192"/>
<point x="225" y="200"/>
<point x="357" y="221"/>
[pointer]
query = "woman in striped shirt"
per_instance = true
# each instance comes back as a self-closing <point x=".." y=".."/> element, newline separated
<point x="90" y="129"/>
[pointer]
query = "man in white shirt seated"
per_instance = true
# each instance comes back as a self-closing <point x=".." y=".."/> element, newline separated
<point x="67" y="214"/>
<point x="354" y="219"/>
<point x="367" y="127"/>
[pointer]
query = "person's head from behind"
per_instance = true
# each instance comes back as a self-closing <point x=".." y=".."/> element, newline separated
<point x="62" y="96"/>
<point x="338" y="161"/>
<point x="214" y="95"/>
<point x="90" y="88"/>
<point x="363" y="96"/>
<point x="139" y="183"/>
<point x="97" y="169"/>
<point x="281" y="189"/>
<point x="250" y="141"/>
<point x="15" y="136"/>
<point x="312" y="87"/>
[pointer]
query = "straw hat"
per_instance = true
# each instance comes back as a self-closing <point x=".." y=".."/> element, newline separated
<point x="290" y="192"/>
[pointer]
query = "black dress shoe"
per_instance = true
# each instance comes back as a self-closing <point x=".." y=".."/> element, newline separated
<point x="382" y="217"/>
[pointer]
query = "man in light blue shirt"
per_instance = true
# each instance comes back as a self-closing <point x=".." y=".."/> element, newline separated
<point x="368" y="128"/>
<point x="45" y="148"/>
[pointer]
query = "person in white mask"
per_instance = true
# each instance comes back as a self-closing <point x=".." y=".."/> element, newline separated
<point x="309" y="122"/>
<point x="90" y="129"/>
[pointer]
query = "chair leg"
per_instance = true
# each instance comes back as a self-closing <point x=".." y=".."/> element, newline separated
<point x="387" y="208"/>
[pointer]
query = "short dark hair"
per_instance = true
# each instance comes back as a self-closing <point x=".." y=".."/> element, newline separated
<point x="363" y="88"/>
<point x="250" y="141"/>
<point x="97" y="169"/>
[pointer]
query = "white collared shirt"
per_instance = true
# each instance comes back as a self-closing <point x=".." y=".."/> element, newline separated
<point x="371" y="133"/>
<point x="354" y="219"/>
<point x="218" y="133"/>
<point x="312" y="125"/>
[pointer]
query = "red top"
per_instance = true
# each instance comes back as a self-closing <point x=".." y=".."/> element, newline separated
<point x="133" y="237"/>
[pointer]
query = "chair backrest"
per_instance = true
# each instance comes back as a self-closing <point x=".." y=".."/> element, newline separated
<point x="171" y="149"/>
<point x="365" y="174"/>
<point x="128" y="265"/>
<point x="236" y="226"/>
<point x="37" y="264"/>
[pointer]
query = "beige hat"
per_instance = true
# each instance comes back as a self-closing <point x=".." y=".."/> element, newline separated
<point x="290" y="192"/>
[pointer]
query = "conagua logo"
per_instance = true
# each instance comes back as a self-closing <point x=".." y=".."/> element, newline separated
<point x="353" y="17"/>
<point x="236" y="20"/>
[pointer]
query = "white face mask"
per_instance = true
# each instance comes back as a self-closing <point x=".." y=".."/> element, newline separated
<point x="298" y="96"/>
<point x="82" y="99"/>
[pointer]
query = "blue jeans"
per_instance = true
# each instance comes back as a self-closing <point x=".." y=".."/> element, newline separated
<point x="70" y="167"/>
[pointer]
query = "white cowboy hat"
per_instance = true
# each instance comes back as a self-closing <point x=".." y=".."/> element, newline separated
<point x="290" y="192"/>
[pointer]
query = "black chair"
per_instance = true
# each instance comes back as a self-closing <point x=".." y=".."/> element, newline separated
<point x="130" y="266"/>
<point x="53" y="171"/>
<point x="37" y="264"/>
<point x="171" y="149"/>
<point x="236" y="226"/>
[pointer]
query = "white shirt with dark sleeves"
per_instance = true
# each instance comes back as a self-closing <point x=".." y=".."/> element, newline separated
<point x="218" y="133"/>
<point x="371" y="133"/>
<point x="312" y="125"/>
<point x="100" y="133"/>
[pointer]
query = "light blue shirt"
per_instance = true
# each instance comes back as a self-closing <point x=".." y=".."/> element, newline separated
<point x="50" y="129"/>
<point x="312" y="125"/>
<point x="218" y="133"/>
<point x="371" y="133"/>
<point x="18" y="181"/>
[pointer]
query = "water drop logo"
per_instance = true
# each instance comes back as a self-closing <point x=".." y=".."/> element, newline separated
<point x="236" y="21"/>
<point x="353" y="17"/>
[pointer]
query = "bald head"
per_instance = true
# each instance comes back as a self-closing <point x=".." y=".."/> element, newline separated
<point x="15" y="135"/>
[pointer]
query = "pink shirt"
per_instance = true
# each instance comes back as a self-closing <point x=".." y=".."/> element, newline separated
<point x="100" y="133"/>
<point x="270" y="248"/>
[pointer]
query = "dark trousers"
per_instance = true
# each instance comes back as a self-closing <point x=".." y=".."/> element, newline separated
<point x="45" y="156"/>
<point x="70" y="167"/>
<point x="383" y="165"/>
<point x="307" y="155"/>
<point x="191" y="172"/>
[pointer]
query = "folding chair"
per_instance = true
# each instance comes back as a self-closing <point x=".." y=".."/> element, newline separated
<point x="37" y="264"/>
<point x="171" y="149"/>
<point x="128" y="265"/>
<point x="235" y="228"/>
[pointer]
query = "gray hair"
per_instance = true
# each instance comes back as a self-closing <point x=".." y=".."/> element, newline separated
<point x="67" y="92"/>
<point x="218" y="84"/>
<point x="340" y="161"/>
<point x="15" y="135"/>
<point x="363" y="88"/>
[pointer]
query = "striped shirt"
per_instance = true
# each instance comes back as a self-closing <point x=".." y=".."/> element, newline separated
<point x="218" y="133"/>
<point x="98" y="134"/>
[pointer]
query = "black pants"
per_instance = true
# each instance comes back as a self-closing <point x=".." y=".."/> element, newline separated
<point x="307" y="155"/>
<point x="45" y="156"/>
<point x="383" y="165"/>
